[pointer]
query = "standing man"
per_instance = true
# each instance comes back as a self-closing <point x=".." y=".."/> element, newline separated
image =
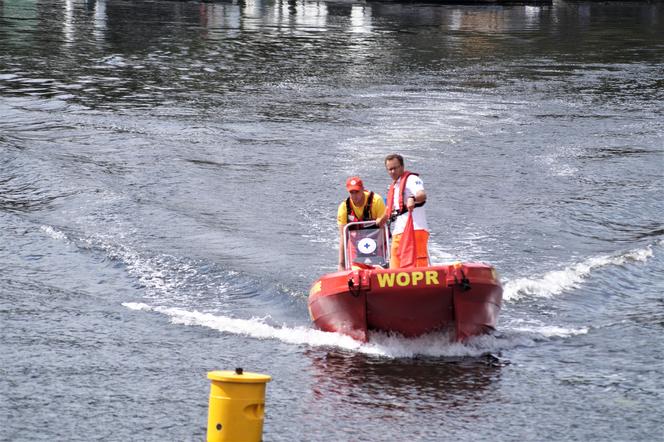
<point x="406" y="193"/>
<point x="361" y="205"/>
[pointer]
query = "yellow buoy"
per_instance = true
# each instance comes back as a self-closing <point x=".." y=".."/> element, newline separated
<point x="237" y="404"/>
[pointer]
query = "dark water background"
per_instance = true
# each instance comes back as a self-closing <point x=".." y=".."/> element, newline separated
<point x="169" y="175"/>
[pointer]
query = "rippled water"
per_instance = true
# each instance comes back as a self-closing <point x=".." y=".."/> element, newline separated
<point x="169" y="177"/>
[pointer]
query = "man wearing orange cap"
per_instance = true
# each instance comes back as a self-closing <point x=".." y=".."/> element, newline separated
<point x="361" y="205"/>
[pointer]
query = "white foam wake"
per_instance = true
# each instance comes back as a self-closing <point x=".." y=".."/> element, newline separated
<point x="53" y="233"/>
<point x="558" y="281"/>
<point x="437" y="254"/>
<point x="163" y="276"/>
<point x="536" y="329"/>
<point x="434" y="344"/>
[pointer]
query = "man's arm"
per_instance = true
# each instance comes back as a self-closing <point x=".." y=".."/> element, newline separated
<point x="415" y="186"/>
<point x="419" y="197"/>
<point x="342" y="257"/>
<point x="342" y="219"/>
<point x="379" y="209"/>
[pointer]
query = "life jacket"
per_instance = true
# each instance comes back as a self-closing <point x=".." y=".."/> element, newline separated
<point x="402" y="187"/>
<point x="352" y="217"/>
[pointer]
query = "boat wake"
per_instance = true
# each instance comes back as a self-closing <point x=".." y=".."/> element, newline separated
<point x="164" y="278"/>
<point x="201" y="294"/>
<point x="536" y="330"/>
<point x="381" y="344"/>
<point x="559" y="281"/>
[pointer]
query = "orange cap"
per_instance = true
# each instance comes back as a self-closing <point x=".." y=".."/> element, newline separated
<point x="354" y="183"/>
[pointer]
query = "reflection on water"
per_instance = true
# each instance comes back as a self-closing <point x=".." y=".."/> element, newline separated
<point x="219" y="19"/>
<point x="432" y="382"/>
<point x="160" y="51"/>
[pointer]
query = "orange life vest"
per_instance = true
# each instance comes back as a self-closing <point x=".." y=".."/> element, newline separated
<point x="402" y="187"/>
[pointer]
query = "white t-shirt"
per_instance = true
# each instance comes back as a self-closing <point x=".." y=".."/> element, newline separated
<point x="413" y="185"/>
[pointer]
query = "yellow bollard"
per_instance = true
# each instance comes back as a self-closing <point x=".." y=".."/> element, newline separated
<point x="237" y="403"/>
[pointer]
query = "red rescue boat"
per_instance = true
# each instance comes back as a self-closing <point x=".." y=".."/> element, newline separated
<point x="461" y="297"/>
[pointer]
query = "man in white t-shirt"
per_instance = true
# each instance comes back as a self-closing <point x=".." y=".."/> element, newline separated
<point x="406" y="193"/>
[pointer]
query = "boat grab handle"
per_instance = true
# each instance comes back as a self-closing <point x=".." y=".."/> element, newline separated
<point x="355" y="292"/>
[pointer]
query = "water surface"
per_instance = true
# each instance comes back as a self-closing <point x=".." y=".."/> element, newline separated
<point x="169" y="176"/>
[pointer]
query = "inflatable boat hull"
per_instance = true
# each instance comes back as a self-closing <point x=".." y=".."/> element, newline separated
<point x="464" y="298"/>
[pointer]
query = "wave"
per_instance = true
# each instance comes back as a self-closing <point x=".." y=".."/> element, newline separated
<point x="187" y="286"/>
<point x="164" y="278"/>
<point x="383" y="345"/>
<point x="53" y="233"/>
<point x="537" y="330"/>
<point x="167" y="277"/>
<point x="558" y="281"/>
<point x="438" y="254"/>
